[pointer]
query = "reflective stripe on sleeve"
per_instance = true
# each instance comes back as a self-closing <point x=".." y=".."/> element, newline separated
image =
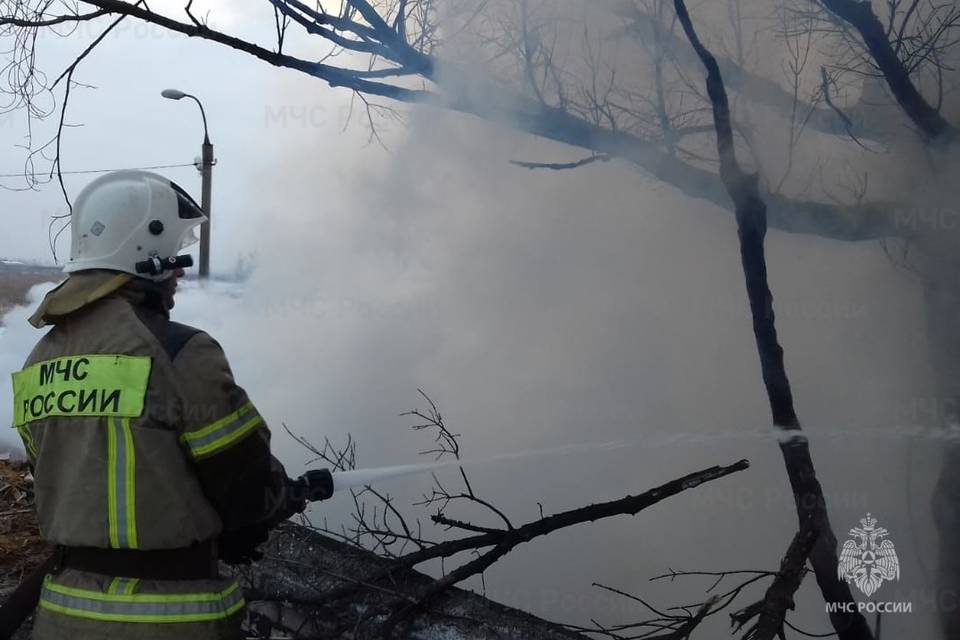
<point x="141" y="607"/>
<point x="121" y="485"/>
<point x="222" y="433"/>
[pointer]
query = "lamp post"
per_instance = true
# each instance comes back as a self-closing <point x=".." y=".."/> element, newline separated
<point x="206" y="170"/>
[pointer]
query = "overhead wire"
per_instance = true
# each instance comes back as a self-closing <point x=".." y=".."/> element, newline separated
<point x="89" y="171"/>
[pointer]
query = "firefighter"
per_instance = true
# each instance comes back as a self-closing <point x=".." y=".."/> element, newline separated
<point x="150" y="462"/>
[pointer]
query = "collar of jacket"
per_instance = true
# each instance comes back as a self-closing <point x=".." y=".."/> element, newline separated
<point x="145" y="294"/>
<point x="82" y="288"/>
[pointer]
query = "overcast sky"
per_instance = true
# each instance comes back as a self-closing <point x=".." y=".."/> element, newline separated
<point x="123" y="122"/>
<point x="538" y="308"/>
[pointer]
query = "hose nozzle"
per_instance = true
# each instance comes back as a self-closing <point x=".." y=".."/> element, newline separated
<point x="314" y="485"/>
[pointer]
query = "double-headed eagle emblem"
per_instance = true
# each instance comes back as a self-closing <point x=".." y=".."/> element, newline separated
<point x="869" y="561"/>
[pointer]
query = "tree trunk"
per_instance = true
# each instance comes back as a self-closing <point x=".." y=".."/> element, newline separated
<point x="942" y="291"/>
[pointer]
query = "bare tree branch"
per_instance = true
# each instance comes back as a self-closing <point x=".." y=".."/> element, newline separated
<point x="560" y="166"/>
<point x="485" y="98"/>
<point x="860" y="15"/>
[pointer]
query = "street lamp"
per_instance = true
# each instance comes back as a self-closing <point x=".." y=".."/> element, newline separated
<point x="206" y="170"/>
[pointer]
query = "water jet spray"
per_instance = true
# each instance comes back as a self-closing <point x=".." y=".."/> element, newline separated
<point x="354" y="478"/>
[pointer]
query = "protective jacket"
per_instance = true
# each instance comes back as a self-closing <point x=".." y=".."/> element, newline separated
<point x="146" y="455"/>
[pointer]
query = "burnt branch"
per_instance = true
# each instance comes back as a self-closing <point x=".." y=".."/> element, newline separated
<point x="677" y="622"/>
<point x="501" y="543"/>
<point x="630" y="505"/>
<point x="494" y="544"/>
<point x="772" y="610"/>
<point x="674" y="625"/>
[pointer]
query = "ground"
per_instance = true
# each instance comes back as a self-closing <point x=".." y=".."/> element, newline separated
<point x="21" y="549"/>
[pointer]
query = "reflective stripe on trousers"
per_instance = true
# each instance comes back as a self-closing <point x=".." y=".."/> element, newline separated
<point x="123" y="585"/>
<point x="141" y="607"/>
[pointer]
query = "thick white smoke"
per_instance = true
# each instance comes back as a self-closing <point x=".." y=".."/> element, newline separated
<point x="17" y="338"/>
<point x="544" y="309"/>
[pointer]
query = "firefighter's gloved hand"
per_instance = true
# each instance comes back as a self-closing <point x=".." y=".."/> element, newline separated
<point x="314" y="485"/>
<point x="240" y="545"/>
<point x="310" y="487"/>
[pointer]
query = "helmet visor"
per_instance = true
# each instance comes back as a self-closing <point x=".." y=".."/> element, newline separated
<point x="190" y="237"/>
<point x="187" y="207"/>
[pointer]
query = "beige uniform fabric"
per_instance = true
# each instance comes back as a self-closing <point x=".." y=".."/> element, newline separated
<point x="197" y="458"/>
<point x="71" y="465"/>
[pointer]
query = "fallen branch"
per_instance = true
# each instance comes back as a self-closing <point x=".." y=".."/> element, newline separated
<point x="506" y="540"/>
<point x="299" y="565"/>
<point x="500" y="542"/>
<point x="313" y="586"/>
<point x="630" y="505"/>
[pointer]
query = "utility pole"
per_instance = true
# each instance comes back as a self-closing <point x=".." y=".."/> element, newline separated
<point x="207" y="177"/>
<point x="206" y="172"/>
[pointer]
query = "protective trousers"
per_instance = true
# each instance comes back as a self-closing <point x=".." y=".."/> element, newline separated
<point x="78" y="605"/>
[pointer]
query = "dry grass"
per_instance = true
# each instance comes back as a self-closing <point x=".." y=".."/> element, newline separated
<point x="21" y="548"/>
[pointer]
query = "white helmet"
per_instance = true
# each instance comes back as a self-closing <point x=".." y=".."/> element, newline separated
<point x="135" y="222"/>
